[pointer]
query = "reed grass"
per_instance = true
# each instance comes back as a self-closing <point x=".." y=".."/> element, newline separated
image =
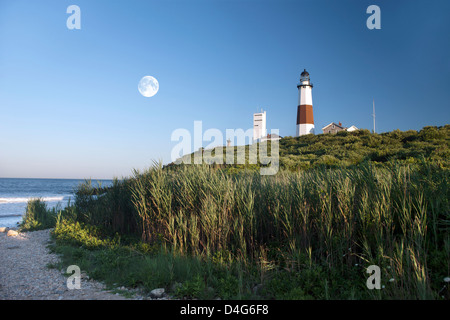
<point x="395" y="216"/>
<point x="38" y="216"/>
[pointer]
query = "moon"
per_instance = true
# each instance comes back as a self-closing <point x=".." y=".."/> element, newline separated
<point x="148" y="86"/>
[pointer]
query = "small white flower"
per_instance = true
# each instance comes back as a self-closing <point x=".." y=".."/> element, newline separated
<point x="356" y="264"/>
<point x="391" y="280"/>
<point x="382" y="287"/>
<point x="447" y="279"/>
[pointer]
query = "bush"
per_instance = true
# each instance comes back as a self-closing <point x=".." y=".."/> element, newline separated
<point x="37" y="216"/>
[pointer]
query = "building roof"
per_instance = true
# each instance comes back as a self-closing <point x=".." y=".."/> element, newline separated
<point x="272" y="136"/>
<point x="335" y="125"/>
<point x="352" y="128"/>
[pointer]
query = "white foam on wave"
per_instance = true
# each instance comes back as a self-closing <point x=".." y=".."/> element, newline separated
<point x="25" y="200"/>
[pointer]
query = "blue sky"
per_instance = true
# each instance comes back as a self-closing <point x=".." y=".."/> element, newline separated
<point x="70" y="107"/>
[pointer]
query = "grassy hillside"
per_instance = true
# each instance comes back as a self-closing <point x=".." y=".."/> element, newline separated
<point x="346" y="149"/>
<point x="350" y="148"/>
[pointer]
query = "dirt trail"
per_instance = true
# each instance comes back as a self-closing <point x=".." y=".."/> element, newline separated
<point x="24" y="272"/>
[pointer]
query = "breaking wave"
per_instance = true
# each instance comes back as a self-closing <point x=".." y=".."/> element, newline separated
<point x="25" y="200"/>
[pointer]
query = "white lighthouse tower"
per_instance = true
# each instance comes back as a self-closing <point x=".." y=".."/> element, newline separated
<point x="305" y="118"/>
<point x="259" y="126"/>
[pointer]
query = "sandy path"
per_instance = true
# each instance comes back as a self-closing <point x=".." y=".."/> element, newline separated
<point x="24" y="274"/>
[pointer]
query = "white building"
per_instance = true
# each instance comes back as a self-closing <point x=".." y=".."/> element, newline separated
<point x="352" y="128"/>
<point x="259" y="125"/>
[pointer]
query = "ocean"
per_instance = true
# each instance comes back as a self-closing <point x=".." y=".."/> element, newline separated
<point x="15" y="193"/>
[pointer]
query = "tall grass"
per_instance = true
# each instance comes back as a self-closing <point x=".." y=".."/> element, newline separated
<point x="37" y="216"/>
<point x="394" y="216"/>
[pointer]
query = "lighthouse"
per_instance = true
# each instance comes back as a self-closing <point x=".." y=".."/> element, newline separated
<point x="305" y="119"/>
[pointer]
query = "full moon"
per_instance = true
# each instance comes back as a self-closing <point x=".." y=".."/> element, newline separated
<point x="148" y="86"/>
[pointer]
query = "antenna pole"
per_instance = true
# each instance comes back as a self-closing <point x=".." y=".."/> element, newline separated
<point x="373" y="116"/>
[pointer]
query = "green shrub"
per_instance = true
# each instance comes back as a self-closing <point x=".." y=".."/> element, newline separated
<point x="37" y="216"/>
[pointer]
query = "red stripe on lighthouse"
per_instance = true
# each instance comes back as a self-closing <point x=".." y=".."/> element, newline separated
<point x="305" y="114"/>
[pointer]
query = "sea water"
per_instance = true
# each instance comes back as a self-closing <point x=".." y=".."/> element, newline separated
<point x="15" y="193"/>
